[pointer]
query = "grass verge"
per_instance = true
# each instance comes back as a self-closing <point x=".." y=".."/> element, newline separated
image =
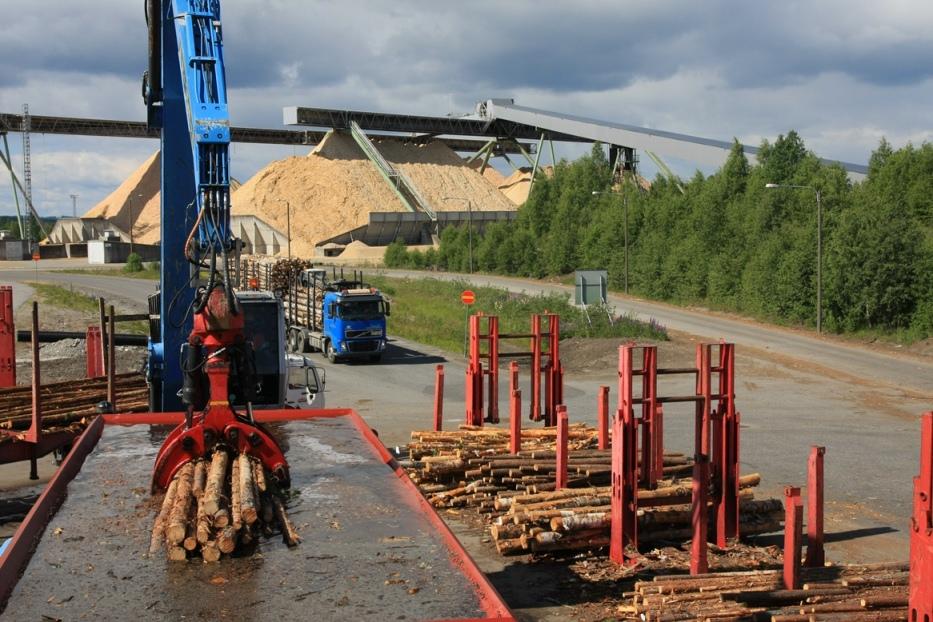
<point x="68" y="298"/>
<point x="429" y="311"/>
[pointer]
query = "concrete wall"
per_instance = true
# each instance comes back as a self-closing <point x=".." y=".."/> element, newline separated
<point x="100" y="252"/>
<point x="14" y="250"/>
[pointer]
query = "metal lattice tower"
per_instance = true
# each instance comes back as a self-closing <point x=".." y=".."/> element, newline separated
<point x="27" y="169"/>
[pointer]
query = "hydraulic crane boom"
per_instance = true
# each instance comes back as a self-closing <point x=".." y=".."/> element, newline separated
<point x="186" y="97"/>
<point x="200" y="353"/>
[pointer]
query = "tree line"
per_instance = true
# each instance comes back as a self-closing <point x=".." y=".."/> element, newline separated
<point x="727" y="241"/>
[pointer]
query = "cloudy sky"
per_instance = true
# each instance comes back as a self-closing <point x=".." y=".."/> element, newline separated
<point x="842" y="73"/>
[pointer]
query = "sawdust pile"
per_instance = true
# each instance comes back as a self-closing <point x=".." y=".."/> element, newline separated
<point x="517" y="185"/>
<point x="135" y="203"/>
<point x="335" y="187"/>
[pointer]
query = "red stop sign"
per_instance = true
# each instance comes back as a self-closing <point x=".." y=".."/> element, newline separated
<point x="468" y="297"/>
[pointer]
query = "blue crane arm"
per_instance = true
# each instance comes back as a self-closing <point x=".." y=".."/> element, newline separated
<point x="186" y="96"/>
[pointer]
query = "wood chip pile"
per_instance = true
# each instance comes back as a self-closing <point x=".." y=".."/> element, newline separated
<point x="212" y="507"/>
<point x="472" y="468"/>
<point x="854" y="593"/>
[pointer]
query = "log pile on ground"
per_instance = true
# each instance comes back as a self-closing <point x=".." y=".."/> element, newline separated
<point x="212" y="507"/>
<point x="854" y="593"/>
<point x="472" y="468"/>
<point x="72" y="402"/>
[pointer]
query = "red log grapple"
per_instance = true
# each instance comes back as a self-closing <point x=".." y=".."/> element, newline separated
<point x="218" y="353"/>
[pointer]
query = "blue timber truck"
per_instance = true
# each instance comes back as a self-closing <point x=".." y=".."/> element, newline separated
<point x="342" y="317"/>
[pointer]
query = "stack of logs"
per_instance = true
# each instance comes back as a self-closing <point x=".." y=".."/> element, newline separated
<point x="272" y="273"/>
<point x="212" y="506"/>
<point x="472" y="468"/>
<point x="74" y="401"/>
<point x="854" y="593"/>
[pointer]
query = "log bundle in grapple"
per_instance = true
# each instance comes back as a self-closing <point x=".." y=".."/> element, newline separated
<point x="213" y="506"/>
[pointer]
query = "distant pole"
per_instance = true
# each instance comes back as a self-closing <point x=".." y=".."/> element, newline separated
<point x="74" y="205"/>
<point x="288" y="225"/>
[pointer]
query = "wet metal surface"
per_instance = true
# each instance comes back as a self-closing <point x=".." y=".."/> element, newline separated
<point x="366" y="552"/>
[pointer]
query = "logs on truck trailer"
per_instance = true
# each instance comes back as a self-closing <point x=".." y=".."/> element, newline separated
<point x="516" y="493"/>
<point x="213" y="506"/>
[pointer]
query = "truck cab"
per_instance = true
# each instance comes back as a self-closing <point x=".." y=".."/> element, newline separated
<point x="355" y="323"/>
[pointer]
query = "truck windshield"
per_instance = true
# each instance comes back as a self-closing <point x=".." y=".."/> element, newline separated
<point x="360" y="310"/>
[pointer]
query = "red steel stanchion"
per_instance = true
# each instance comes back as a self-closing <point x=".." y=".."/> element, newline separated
<point x="535" y="411"/>
<point x="603" y="417"/>
<point x="515" y="421"/>
<point x="815" y="554"/>
<point x="624" y="501"/>
<point x="438" y="398"/>
<point x="7" y="338"/>
<point x="793" y="525"/>
<point x="652" y="458"/>
<point x="700" y="516"/>
<point x="95" y="359"/>
<point x="492" y="323"/>
<point x="920" y="604"/>
<point x="562" y="433"/>
<point x="726" y="451"/>
<point x="474" y="377"/>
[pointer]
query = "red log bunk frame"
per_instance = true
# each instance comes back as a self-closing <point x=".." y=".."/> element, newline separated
<point x="716" y="452"/>
<point x="545" y="363"/>
<point x="920" y="604"/>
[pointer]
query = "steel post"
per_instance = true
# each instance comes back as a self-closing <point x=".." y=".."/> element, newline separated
<point x="652" y="459"/>
<point x="439" y="398"/>
<point x="7" y="338"/>
<point x="793" y="525"/>
<point x="562" y="433"/>
<point x="34" y="433"/>
<point x="535" y="413"/>
<point x="624" y="501"/>
<point x="815" y="555"/>
<point x="95" y="362"/>
<point x="725" y="451"/>
<point x="920" y="605"/>
<point x="555" y="378"/>
<point x="701" y="468"/>
<point x="515" y="421"/>
<point x="492" y="323"/>
<point x="111" y="362"/>
<point x="602" y="407"/>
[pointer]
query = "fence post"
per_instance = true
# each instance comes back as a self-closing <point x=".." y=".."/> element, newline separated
<point x="562" y="432"/>
<point x="7" y="338"/>
<point x="793" y="524"/>
<point x="492" y="323"/>
<point x="920" y="604"/>
<point x="816" y="556"/>
<point x="438" y="398"/>
<point x="515" y="422"/>
<point x="535" y="367"/>
<point x="602" y="407"/>
<point x="111" y="361"/>
<point x="95" y="362"/>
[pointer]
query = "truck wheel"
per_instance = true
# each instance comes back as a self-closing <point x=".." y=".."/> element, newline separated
<point x="329" y="352"/>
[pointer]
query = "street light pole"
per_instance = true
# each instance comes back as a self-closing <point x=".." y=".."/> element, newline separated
<point x="74" y="205"/>
<point x="819" y="249"/>
<point x="288" y="225"/>
<point x="470" y="220"/>
<point x="624" y="230"/>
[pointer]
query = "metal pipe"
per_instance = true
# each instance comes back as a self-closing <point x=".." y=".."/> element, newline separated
<point x="51" y="336"/>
